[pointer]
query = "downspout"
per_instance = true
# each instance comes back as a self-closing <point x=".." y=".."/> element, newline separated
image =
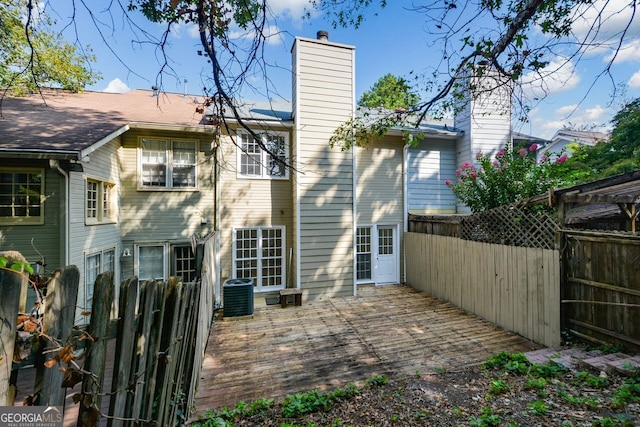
<point x="354" y="172"/>
<point x="405" y="203"/>
<point x="55" y="164"/>
<point x="296" y="129"/>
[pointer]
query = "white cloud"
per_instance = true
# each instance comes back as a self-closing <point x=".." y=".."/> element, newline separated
<point x="594" y="114"/>
<point x="634" y="81"/>
<point x="559" y="75"/>
<point x="608" y="17"/>
<point x="546" y="123"/>
<point x="293" y="9"/>
<point x="117" y="86"/>
<point x="567" y="109"/>
<point x="627" y="52"/>
<point x="271" y="33"/>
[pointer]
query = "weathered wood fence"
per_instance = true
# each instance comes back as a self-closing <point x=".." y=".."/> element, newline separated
<point x="516" y="288"/>
<point x="601" y="287"/>
<point x="158" y="350"/>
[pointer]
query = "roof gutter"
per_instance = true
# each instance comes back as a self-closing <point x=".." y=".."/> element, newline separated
<point x="39" y="154"/>
<point x="282" y="123"/>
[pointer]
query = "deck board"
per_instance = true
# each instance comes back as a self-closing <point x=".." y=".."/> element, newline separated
<point x="328" y="343"/>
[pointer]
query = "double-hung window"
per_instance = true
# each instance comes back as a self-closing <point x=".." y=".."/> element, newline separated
<point x="21" y="196"/>
<point x="168" y="164"/>
<point x="263" y="157"/>
<point x="258" y="253"/>
<point x="151" y="262"/>
<point x="95" y="264"/>
<point x="100" y="204"/>
<point x="363" y="254"/>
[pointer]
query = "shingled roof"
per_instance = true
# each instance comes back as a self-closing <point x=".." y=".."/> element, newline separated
<point x="61" y="121"/>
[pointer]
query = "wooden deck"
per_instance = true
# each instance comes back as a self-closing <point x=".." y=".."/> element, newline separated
<point x="392" y="330"/>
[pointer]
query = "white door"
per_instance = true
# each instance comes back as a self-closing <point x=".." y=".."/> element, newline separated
<point x="386" y="257"/>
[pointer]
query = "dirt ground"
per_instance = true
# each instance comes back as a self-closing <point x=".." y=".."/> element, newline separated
<point x="474" y="396"/>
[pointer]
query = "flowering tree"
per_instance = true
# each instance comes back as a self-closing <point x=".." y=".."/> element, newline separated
<point x="510" y="177"/>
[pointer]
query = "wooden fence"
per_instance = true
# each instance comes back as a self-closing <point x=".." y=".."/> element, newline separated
<point x="158" y="350"/>
<point x="516" y="288"/>
<point x="601" y="290"/>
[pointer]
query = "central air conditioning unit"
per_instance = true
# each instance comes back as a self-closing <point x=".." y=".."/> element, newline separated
<point x="237" y="297"/>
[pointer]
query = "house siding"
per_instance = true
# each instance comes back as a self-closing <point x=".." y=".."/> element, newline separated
<point x="48" y="238"/>
<point x="485" y="119"/>
<point x="165" y="216"/>
<point x="248" y="202"/>
<point x="324" y="93"/>
<point x="87" y="239"/>
<point x="379" y="187"/>
<point x="430" y="164"/>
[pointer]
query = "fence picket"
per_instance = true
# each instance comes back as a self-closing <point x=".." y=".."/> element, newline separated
<point x="59" y="313"/>
<point x="96" y="352"/>
<point x="123" y="358"/>
<point x="486" y="287"/>
<point x="11" y="284"/>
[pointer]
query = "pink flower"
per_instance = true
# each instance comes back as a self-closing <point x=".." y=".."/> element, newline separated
<point x="478" y="155"/>
<point x="500" y="152"/>
<point x="544" y="158"/>
<point x="522" y="152"/>
<point x="496" y="164"/>
<point x="473" y="175"/>
<point x="458" y="172"/>
<point x="448" y="182"/>
<point x="560" y="160"/>
<point x="533" y="147"/>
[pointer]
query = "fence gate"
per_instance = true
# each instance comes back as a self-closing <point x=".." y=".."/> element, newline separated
<point x="601" y="293"/>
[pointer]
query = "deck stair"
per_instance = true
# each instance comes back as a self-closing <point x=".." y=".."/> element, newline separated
<point x="576" y="359"/>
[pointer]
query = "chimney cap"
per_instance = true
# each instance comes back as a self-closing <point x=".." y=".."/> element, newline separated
<point x="322" y="35"/>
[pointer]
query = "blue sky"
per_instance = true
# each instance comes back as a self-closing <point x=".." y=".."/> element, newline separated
<point x="393" y="41"/>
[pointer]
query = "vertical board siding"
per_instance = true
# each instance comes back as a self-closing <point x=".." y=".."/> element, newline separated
<point x="324" y="100"/>
<point x="515" y="288"/>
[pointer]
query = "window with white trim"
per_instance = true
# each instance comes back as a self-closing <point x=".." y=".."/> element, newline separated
<point x="259" y="254"/>
<point x="255" y="162"/>
<point x="100" y="204"/>
<point x="151" y="262"/>
<point x="363" y="253"/>
<point x="96" y="264"/>
<point x="21" y="196"/>
<point x="170" y="164"/>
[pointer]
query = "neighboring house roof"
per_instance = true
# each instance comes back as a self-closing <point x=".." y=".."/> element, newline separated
<point x="273" y="110"/>
<point x="520" y="139"/>
<point x="63" y="122"/>
<point x="428" y="125"/>
<point x="565" y="136"/>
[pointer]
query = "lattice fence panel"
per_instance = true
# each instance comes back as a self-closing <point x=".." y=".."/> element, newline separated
<point x="512" y="225"/>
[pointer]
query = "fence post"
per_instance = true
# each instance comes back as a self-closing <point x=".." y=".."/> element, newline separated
<point x="11" y="283"/>
<point x="59" y="316"/>
<point x="96" y="353"/>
